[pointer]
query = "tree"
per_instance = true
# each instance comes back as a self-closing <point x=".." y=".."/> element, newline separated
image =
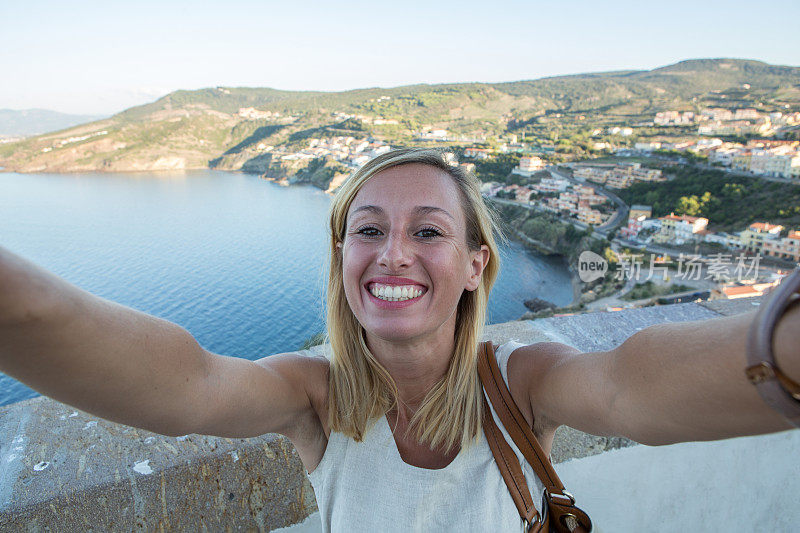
<point x="688" y="205"/>
<point x="610" y="256"/>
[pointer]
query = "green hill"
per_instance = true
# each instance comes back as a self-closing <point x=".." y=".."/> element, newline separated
<point x="202" y="128"/>
<point x="730" y="202"/>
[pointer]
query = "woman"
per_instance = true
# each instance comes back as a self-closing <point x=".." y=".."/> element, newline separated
<point x="389" y="429"/>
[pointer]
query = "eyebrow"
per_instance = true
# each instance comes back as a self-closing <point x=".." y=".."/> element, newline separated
<point x="419" y="210"/>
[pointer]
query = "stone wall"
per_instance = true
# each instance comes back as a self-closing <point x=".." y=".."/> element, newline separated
<point x="64" y="470"/>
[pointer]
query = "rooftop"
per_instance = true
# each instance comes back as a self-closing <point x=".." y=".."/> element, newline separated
<point x="683" y="218"/>
<point x="765" y="226"/>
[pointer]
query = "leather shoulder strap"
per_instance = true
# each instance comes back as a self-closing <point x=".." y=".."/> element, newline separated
<point x="559" y="510"/>
<point x="510" y="469"/>
<point x="513" y="420"/>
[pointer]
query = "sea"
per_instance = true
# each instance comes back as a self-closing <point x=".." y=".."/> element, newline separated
<point x="239" y="261"/>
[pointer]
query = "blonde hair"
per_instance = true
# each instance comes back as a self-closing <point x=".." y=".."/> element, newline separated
<point x="360" y="388"/>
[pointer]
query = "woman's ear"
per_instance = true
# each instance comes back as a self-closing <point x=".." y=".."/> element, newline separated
<point x="480" y="258"/>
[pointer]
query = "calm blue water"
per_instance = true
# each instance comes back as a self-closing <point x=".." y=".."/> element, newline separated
<point x="238" y="261"/>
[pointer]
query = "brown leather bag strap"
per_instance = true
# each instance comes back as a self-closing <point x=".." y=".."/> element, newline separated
<point x="561" y="504"/>
<point x="513" y="420"/>
<point x="511" y="471"/>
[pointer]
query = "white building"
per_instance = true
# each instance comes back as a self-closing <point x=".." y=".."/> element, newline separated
<point x="679" y="229"/>
<point x="648" y="146"/>
<point x="529" y="165"/>
<point x="616" y="130"/>
<point x="724" y="156"/>
<point x="551" y="185"/>
<point x="707" y="144"/>
<point x="725" y="239"/>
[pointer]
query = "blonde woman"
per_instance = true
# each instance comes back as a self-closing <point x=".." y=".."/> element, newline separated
<point x="390" y="427"/>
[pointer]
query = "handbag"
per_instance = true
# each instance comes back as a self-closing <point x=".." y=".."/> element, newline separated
<point x="559" y="512"/>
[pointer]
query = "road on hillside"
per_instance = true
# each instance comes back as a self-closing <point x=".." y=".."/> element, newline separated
<point x="620" y="215"/>
<point x="538" y="209"/>
<point x="601" y="231"/>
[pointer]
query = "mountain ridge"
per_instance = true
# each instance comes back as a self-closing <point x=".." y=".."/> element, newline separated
<point x="199" y="128"/>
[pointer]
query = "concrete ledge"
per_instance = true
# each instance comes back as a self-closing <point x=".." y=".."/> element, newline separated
<point x="62" y="469"/>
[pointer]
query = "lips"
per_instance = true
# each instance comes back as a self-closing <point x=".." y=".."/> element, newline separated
<point x="393" y="281"/>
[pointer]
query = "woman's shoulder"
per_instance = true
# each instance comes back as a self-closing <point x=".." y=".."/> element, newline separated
<point x="303" y="364"/>
<point x="317" y="370"/>
<point x="310" y="369"/>
<point x="531" y="363"/>
<point x="529" y="367"/>
<point x="304" y="371"/>
<point x="530" y="359"/>
<point x="308" y="373"/>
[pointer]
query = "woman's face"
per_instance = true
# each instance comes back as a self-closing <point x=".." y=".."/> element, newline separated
<point x="405" y="257"/>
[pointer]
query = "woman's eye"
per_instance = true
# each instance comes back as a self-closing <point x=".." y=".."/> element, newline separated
<point x="428" y="233"/>
<point x="369" y="231"/>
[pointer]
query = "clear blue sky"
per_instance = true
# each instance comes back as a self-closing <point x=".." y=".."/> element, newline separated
<point x="102" y="57"/>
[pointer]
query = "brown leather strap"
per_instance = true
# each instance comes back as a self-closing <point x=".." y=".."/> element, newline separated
<point x="513" y="420"/>
<point x="510" y="468"/>
<point x="560" y="510"/>
<point x="778" y="390"/>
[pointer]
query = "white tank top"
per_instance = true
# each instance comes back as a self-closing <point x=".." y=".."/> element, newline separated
<point x="367" y="487"/>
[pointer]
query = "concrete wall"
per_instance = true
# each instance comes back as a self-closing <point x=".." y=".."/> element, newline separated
<point x="64" y="470"/>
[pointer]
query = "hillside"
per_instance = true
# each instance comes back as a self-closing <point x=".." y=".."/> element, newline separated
<point x="730" y="202"/>
<point x="202" y="128"/>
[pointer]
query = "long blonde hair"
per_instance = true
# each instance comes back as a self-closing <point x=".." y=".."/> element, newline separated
<point x="360" y="388"/>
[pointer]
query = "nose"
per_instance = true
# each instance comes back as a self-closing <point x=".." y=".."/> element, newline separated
<point x="395" y="254"/>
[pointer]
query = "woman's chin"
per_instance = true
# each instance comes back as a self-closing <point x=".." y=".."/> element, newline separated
<point x="397" y="331"/>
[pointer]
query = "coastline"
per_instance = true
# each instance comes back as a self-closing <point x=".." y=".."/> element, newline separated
<point x="541" y="249"/>
<point x="577" y="286"/>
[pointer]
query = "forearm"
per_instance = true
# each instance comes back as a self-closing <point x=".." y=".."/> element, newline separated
<point x="101" y="357"/>
<point x="686" y="381"/>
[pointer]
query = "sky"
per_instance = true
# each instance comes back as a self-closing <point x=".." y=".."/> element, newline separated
<point x="89" y="57"/>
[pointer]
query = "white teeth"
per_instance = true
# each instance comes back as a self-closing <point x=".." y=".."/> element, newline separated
<point x="394" y="293"/>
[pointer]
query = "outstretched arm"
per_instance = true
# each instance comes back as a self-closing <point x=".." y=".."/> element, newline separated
<point x="667" y="383"/>
<point x="136" y="369"/>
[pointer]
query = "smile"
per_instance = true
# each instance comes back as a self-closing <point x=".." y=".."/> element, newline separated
<point x="394" y="293"/>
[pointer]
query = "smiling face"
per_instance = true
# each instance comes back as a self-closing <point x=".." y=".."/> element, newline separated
<point x="405" y="258"/>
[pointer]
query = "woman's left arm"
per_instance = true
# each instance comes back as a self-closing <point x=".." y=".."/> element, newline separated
<point x="667" y="383"/>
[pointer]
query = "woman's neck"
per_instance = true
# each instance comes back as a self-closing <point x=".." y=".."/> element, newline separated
<point x="415" y="365"/>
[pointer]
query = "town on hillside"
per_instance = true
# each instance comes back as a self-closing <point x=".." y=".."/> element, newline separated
<point x="773" y="247"/>
<point x="585" y="193"/>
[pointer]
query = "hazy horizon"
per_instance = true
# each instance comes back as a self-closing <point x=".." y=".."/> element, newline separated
<point x="98" y="58"/>
<point x="103" y="115"/>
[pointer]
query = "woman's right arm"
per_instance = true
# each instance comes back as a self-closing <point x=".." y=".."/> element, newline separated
<point x="136" y="369"/>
